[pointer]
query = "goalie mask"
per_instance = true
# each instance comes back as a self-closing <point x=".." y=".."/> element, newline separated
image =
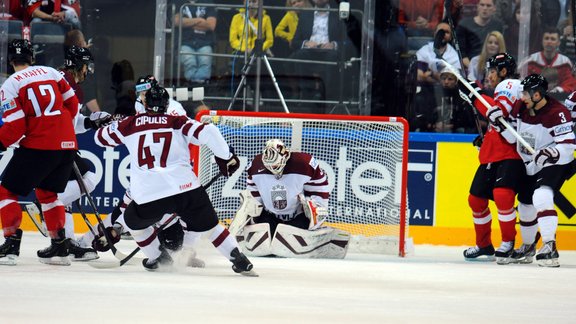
<point x="156" y="100"/>
<point x="275" y="156"/>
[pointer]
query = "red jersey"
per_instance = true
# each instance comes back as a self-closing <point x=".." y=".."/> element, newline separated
<point x="494" y="147"/>
<point x="39" y="104"/>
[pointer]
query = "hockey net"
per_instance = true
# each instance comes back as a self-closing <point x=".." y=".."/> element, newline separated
<point x="365" y="159"/>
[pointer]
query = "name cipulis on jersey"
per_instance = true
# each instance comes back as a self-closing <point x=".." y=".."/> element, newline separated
<point x="151" y="120"/>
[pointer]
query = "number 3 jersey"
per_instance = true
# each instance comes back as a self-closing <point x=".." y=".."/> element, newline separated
<point x="39" y="104"/>
<point x="159" y="155"/>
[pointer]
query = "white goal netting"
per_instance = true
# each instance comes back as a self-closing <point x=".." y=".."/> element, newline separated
<point x="365" y="159"/>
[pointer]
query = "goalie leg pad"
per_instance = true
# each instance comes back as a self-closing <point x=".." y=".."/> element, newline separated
<point x="326" y="242"/>
<point x="255" y="240"/>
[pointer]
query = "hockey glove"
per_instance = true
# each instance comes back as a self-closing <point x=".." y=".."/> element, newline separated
<point x="315" y="213"/>
<point x="465" y="93"/>
<point x="477" y="142"/>
<point x="97" y="119"/>
<point x="549" y="155"/>
<point x="100" y="243"/>
<point x="494" y="114"/>
<point x="228" y="167"/>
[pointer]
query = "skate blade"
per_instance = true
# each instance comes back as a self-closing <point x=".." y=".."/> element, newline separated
<point x="63" y="261"/>
<point x="250" y="273"/>
<point x="482" y="258"/>
<point x="549" y="263"/>
<point x="9" y="260"/>
<point x="86" y="257"/>
<point x="503" y="260"/>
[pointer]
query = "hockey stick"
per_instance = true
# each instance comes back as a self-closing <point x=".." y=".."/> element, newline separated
<point x="85" y="192"/>
<point x="85" y="218"/>
<point x="37" y="218"/>
<point x="448" y="17"/>
<point x="122" y="258"/>
<point x="488" y="106"/>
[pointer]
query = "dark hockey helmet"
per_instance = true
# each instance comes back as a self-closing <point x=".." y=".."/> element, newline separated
<point x="144" y="83"/>
<point x="20" y="50"/>
<point x="275" y="156"/>
<point x="535" y="82"/>
<point x="156" y="99"/>
<point x="76" y="57"/>
<point x="500" y="61"/>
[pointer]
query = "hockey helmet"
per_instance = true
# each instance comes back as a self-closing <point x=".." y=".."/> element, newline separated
<point x="144" y="83"/>
<point x="500" y="61"/>
<point x="535" y="82"/>
<point x="20" y="50"/>
<point x="76" y="57"/>
<point x="156" y="99"/>
<point x="275" y="156"/>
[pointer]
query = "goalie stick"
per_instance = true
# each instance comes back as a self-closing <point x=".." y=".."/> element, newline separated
<point x="560" y="200"/>
<point x="123" y="258"/>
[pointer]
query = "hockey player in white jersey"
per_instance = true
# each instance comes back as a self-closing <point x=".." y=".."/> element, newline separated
<point x="162" y="181"/>
<point x="284" y="206"/>
<point x="143" y="84"/>
<point x="545" y="124"/>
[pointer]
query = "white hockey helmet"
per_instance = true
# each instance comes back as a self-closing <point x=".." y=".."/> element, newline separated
<point x="275" y="156"/>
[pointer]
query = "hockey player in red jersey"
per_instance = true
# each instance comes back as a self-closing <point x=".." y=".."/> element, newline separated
<point x="285" y="202"/>
<point x="39" y="107"/>
<point x="162" y="181"/>
<point x="500" y="167"/>
<point x="547" y="124"/>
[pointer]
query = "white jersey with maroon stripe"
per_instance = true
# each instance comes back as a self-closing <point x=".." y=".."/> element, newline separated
<point x="551" y="126"/>
<point x="279" y="195"/>
<point x="159" y="155"/>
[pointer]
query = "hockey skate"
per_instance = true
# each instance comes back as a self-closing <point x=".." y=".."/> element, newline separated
<point x="10" y="250"/>
<point x="504" y="252"/>
<point x="78" y="253"/>
<point x="525" y="254"/>
<point x="57" y="252"/>
<point x="548" y="255"/>
<point x="476" y="253"/>
<point x="241" y="264"/>
<point x="161" y="263"/>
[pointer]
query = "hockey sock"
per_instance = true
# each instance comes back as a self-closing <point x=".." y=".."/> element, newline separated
<point x="504" y="199"/>
<point x="482" y="220"/>
<point x="53" y="211"/>
<point x="543" y="199"/>
<point x="528" y="223"/>
<point x="69" y="225"/>
<point x="10" y="211"/>
<point x="223" y="241"/>
<point x="148" y="241"/>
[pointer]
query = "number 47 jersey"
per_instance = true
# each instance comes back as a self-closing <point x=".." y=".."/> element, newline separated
<point x="159" y="153"/>
<point x="39" y="104"/>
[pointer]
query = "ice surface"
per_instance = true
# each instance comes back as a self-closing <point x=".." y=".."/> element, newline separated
<point x="435" y="285"/>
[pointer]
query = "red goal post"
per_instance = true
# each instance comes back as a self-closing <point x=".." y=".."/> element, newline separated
<point x="365" y="158"/>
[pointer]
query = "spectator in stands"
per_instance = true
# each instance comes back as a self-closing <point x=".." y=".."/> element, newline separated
<point x="67" y="13"/>
<point x="16" y="11"/>
<point x="550" y="11"/>
<point x="455" y="114"/>
<point x="555" y="67"/>
<point x="286" y="28"/>
<point x="75" y="37"/>
<point x="430" y="64"/>
<point x="420" y="17"/>
<point x="493" y="45"/>
<point x="123" y="83"/>
<point x="243" y="33"/>
<point x="472" y="31"/>
<point x="319" y="37"/>
<point x="567" y="44"/>
<point x="198" y="24"/>
<point x="512" y="33"/>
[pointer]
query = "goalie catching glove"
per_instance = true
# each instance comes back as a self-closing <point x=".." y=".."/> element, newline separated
<point x="315" y="213"/>
<point x="549" y="155"/>
<point x="100" y="243"/>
